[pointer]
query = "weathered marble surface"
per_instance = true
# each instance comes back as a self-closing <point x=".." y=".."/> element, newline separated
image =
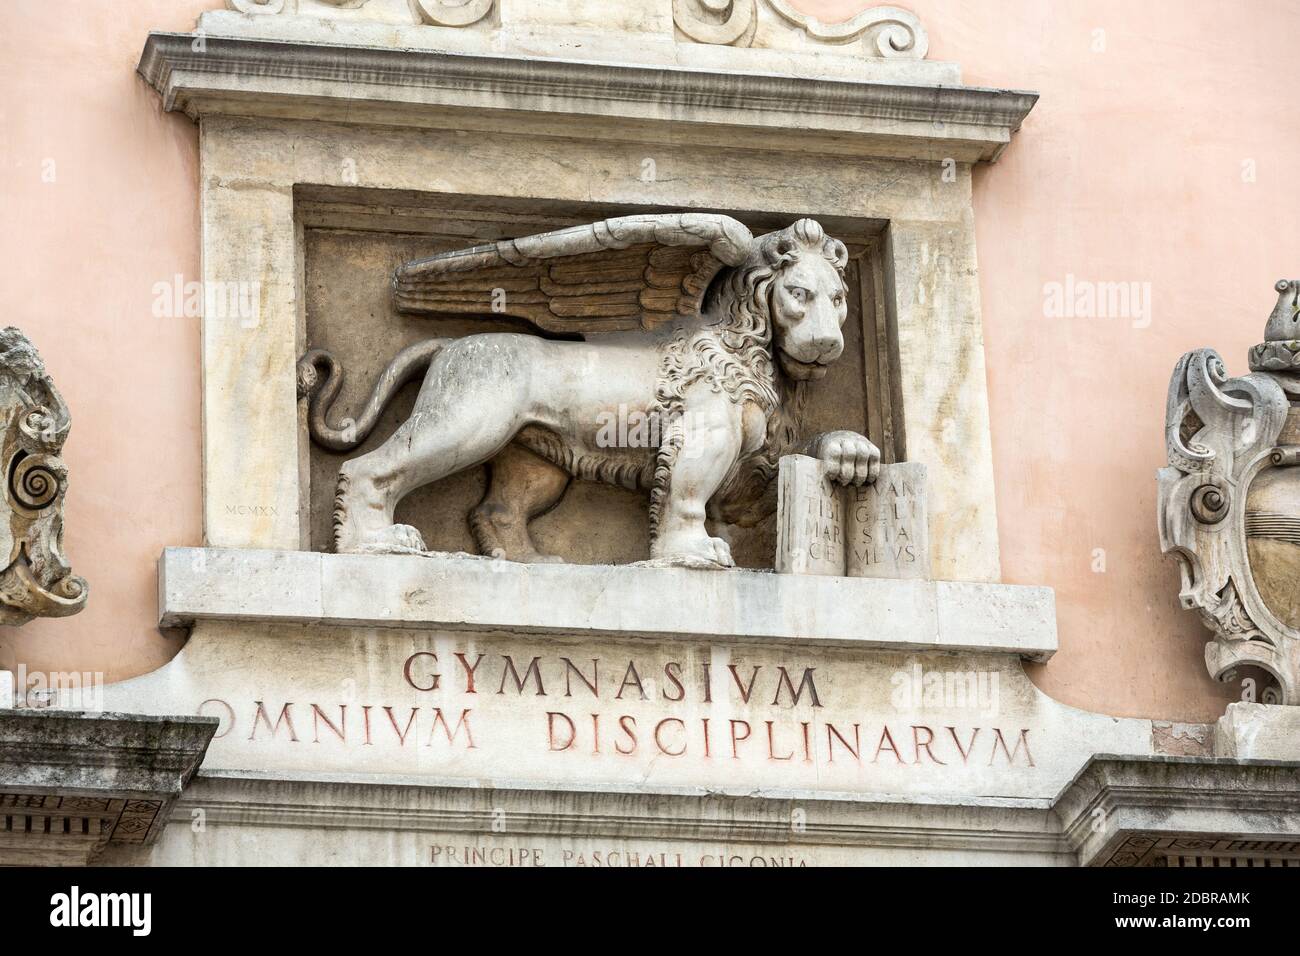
<point x="321" y="822"/>
<point x="1258" y="732"/>
<point x="445" y="705"/>
<point x="72" y="783"/>
<point x="1145" y="811"/>
<point x="473" y="593"/>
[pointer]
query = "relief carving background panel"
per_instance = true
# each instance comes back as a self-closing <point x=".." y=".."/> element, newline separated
<point x="349" y="311"/>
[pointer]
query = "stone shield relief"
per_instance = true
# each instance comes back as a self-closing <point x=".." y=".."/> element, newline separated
<point x="36" y="580"/>
<point x="1229" y="502"/>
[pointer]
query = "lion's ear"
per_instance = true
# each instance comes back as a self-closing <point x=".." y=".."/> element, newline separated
<point x="633" y="272"/>
<point x="837" y="253"/>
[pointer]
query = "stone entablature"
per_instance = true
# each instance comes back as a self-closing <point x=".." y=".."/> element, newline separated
<point x="1182" y="811"/>
<point x="486" y="89"/>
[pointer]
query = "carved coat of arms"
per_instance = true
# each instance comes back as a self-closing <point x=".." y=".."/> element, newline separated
<point x="36" y="580"/>
<point x="1229" y="504"/>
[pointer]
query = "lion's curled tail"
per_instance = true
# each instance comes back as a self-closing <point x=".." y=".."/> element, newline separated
<point x="321" y="392"/>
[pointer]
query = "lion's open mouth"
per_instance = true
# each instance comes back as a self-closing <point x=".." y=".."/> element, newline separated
<point x="802" y="370"/>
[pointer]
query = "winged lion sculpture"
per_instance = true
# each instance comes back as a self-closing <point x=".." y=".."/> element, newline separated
<point x="686" y="319"/>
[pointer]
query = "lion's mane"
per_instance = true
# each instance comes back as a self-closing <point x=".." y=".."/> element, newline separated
<point x="733" y="354"/>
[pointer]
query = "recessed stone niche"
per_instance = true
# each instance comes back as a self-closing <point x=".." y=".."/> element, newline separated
<point x="353" y="240"/>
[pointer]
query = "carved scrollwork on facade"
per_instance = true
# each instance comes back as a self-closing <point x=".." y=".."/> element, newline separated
<point x="1229" y="505"/>
<point x="887" y="31"/>
<point x="453" y="13"/>
<point x="36" y="580"/>
<point x="883" y="31"/>
<point x="1211" y="502"/>
<point x="719" y="22"/>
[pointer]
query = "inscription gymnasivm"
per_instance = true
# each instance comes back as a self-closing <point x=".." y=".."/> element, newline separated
<point x="773" y="713"/>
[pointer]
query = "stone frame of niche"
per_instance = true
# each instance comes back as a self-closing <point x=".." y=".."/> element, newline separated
<point x="284" y="119"/>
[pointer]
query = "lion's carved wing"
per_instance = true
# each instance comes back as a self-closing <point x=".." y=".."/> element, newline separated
<point x="633" y="272"/>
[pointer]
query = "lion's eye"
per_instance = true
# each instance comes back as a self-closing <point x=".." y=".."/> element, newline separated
<point x="798" y="293"/>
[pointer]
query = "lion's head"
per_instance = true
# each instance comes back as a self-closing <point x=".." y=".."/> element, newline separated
<point x="797" y="280"/>
<point x="783" y="306"/>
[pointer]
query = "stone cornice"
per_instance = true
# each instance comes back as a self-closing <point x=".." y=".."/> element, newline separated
<point x="84" y="752"/>
<point x="1120" y="806"/>
<point x="462" y="592"/>
<point x="74" y="782"/>
<point x="1007" y="828"/>
<point x="355" y="84"/>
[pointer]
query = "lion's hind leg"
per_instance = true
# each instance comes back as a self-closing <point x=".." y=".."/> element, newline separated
<point x="521" y="486"/>
<point x="472" y="403"/>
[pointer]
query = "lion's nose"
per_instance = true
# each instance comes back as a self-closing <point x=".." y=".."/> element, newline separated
<point x="828" y="348"/>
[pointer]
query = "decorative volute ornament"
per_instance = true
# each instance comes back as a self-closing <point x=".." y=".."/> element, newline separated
<point x="1230" y="502"/>
<point x="36" y="580"/>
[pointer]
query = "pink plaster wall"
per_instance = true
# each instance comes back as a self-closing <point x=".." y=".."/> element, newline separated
<point x="1129" y="169"/>
<point x="79" y="256"/>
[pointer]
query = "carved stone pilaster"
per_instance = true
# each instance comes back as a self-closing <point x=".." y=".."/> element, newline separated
<point x="1230" y="502"/>
<point x="36" y="580"/>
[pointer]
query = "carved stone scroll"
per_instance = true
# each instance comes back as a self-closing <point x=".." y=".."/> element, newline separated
<point x="883" y="31"/>
<point x="887" y="31"/>
<point x="36" y="580"/>
<point x="715" y="21"/>
<point x="453" y="13"/>
<point x="257" y="7"/>
<point x="1229" y="506"/>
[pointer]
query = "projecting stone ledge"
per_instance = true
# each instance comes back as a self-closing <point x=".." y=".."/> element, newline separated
<point x="73" y="782"/>
<point x="471" y="593"/>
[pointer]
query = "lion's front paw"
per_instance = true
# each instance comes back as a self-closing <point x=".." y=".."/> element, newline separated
<point x="693" y="551"/>
<point x="850" y="458"/>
